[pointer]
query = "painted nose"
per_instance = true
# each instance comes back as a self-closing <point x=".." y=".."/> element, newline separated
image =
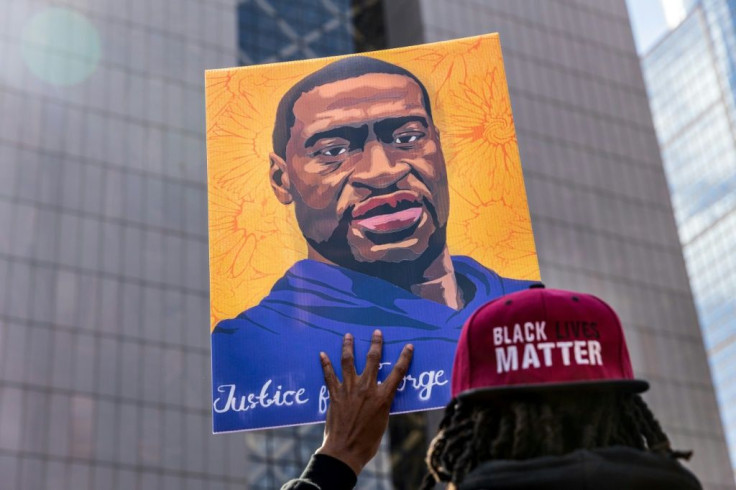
<point x="377" y="169"/>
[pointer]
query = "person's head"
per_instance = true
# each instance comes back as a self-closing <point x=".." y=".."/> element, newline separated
<point x="357" y="152"/>
<point x="527" y="426"/>
<point x="537" y="373"/>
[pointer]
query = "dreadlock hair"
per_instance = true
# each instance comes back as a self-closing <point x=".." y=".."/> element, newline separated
<point x="533" y="425"/>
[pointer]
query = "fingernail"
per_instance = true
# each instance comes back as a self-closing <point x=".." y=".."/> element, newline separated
<point x="348" y="336"/>
<point x="409" y="347"/>
<point x="322" y="356"/>
<point x="377" y="332"/>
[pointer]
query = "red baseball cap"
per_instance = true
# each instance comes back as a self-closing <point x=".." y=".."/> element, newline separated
<point x="542" y="339"/>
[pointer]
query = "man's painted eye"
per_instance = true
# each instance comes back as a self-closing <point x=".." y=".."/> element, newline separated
<point x="333" y="151"/>
<point x="403" y="139"/>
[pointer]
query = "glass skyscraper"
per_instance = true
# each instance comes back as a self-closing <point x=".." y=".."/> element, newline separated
<point x="691" y="80"/>
<point x="287" y="30"/>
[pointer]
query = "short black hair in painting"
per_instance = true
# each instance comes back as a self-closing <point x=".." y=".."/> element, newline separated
<point x="351" y="67"/>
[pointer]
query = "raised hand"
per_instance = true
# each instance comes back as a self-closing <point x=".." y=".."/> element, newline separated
<point x="357" y="415"/>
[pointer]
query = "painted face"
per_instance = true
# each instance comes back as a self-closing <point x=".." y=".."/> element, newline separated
<point x="366" y="171"/>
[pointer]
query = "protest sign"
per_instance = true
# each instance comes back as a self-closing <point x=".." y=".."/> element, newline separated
<point x="381" y="190"/>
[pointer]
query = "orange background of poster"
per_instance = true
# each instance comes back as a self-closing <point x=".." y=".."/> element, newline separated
<point x="254" y="239"/>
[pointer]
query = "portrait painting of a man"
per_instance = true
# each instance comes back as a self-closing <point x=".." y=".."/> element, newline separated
<point x="357" y="157"/>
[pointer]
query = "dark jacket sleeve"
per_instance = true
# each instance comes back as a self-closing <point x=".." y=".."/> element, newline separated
<point x="324" y="473"/>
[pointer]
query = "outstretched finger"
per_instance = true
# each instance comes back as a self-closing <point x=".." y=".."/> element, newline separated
<point x="348" y="360"/>
<point x="400" y="369"/>
<point x="330" y="377"/>
<point x="373" y="359"/>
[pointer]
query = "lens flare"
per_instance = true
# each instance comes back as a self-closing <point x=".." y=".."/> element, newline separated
<point x="61" y="46"/>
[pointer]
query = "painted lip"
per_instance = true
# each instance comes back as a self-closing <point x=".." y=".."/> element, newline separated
<point x="388" y="214"/>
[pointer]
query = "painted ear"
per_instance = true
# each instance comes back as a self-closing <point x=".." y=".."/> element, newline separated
<point x="279" y="178"/>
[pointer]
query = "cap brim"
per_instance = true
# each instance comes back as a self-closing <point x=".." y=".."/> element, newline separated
<point x="618" y="385"/>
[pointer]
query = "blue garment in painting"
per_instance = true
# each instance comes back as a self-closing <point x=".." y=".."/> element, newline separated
<point x="265" y="363"/>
